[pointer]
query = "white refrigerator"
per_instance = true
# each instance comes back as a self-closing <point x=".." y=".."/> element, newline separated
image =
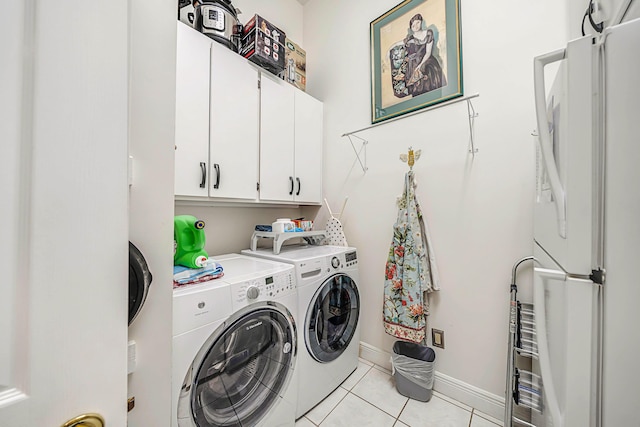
<point x="586" y="283"/>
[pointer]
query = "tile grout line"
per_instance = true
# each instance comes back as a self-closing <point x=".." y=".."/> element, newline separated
<point x="396" y="419"/>
<point x="378" y="408"/>
<point x="333" y="409"/>
<point x="371" y="403"/>
<point x="348" y="391"/>
<point x="453" y="401"/>
<point x="401" y="410"/>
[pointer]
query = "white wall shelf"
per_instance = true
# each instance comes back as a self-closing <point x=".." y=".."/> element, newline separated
<point x="361" y="152"/>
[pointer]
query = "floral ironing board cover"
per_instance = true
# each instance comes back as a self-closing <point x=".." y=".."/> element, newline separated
<point x="410" y="271"/>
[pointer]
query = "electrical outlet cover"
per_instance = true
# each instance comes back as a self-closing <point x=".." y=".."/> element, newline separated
<point x="437" y="338"/>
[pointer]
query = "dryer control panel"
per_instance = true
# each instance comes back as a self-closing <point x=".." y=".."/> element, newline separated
<point x="264" y="288"/>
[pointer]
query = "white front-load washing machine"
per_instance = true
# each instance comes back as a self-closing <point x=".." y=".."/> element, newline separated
<point x="329" y="308"/>
<point x="235" y="347"/>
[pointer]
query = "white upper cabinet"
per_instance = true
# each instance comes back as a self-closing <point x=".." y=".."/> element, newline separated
<point x="290" y="144"/>
<point x="217" y="119"/>
<point x="236" y="140"/>
<point x="277" y="180"/>
<point x="234" y="124"/>
<point x="192" y="112"/>
<point x="308" y="117"/>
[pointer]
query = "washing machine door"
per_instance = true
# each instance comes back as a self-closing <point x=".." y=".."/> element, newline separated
<point x="242" y="370"/>
<point x="332" y="318"/>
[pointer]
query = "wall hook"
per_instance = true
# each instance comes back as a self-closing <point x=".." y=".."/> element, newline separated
<point x="411" y="157"/>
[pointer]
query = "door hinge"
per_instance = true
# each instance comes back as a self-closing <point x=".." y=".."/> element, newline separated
<point x="258" y="83"/>
<point x="257" y="186"/>
<point x="131" y="403"/>
<point x="597" y="276"/>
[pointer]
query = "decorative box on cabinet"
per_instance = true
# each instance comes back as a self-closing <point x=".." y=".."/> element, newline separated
<point x="217" y="120"/>
<point x="290" y="144"/>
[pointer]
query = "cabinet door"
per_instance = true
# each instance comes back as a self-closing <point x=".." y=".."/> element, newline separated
<point x="234" y="124"/>
<point x="192" y="112"/>
<point x="277" y="179"/>
<point x="308" y="148"/>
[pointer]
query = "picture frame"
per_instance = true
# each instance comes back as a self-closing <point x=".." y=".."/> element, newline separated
<point x="416" y="57"/>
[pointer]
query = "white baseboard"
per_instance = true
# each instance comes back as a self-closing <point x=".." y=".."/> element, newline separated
<point x="468" y="394"/>
<point x="375" y="355"/>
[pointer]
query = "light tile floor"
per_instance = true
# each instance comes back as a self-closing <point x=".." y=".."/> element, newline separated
<point x="369" y="398"/>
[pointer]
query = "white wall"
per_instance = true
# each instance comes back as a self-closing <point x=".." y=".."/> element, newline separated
<point x="284" y="14"/>
<point x="152" y="42"/>
<point x="478" y="209"/>
<point x="611" y="9"/>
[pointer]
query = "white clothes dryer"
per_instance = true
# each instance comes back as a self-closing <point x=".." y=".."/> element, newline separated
<point x="329" y="308"/>
<point x="235" y="347"/>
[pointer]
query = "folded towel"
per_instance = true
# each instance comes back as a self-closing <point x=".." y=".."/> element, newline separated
<point x="200" y="279"/>
<point x="182" y="274"/>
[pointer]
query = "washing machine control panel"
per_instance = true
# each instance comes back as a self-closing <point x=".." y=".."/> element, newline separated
<point x="351" y="258"/>
<point x="341" y="261"/>
<point x="264" y="288"/>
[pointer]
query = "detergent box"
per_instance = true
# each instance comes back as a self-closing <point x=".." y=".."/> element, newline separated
<point x="295" y="63"/>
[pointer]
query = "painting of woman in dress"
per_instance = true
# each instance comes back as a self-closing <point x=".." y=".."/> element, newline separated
<point x="424" y="72"/>
<point x="416" y="57"/>
<point x="411" y="46"/>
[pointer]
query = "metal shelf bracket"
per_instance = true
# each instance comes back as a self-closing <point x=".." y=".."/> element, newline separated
<point x="361" y="153"/>
<point x="362" y="150"/>
<point x="472" y="119"/>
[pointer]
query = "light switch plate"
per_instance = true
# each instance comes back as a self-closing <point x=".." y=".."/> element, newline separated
<point x="437" y="338"/>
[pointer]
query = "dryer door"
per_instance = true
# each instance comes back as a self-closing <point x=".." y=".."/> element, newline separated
<point x="139" y="281"/>
<point x="242" y="370"/>
<point x="332" y="318"/>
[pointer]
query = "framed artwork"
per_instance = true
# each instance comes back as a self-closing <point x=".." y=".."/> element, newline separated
<point x="416" y="57"/>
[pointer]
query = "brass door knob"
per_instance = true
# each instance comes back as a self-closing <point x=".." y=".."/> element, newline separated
<point x="85" y="420"/>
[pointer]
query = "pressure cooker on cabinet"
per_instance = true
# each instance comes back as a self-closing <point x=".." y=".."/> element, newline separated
<point x="218" y="19"/>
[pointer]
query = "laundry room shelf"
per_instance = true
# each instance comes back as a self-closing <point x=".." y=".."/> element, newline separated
<point x="361" y="153"/>
<point x="280" y="238"/>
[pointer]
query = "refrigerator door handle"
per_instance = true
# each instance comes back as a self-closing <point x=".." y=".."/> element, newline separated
<point x="544" y="137"/>
<point x="543" y="346"/>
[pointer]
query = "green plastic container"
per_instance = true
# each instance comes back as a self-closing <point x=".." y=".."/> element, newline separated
<point x="189" y="240"/>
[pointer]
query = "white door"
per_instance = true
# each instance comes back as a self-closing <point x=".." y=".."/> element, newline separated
<point x="234" y="116"/>
<point x="622" y="244"/>
<point x="308" y="148"/>
<point x="193" y="51"/>
<point x="566" y="319"/>
<point x="63" y="169"/>
<point x="564" y="209"/>
<point x="277" y="180"/>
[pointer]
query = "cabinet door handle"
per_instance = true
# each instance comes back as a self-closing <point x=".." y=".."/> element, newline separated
<point x="217" y="168"/>
<point x="203" y="168"/>
<point x="299" y="186"/>
<point x="291" y="180"/>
